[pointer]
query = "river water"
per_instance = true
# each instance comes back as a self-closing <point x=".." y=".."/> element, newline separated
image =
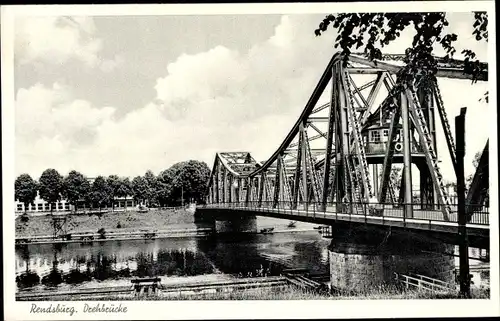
<point x="69" y="265"/>
<point x="109" y="263"/>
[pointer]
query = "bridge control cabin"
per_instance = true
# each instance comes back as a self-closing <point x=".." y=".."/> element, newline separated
<point x="375" y="135"/>
<point x="375" y="132"/>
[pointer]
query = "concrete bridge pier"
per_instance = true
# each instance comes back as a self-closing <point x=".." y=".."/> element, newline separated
<point x="236" y="224"/>
<point x="363" y="260"/>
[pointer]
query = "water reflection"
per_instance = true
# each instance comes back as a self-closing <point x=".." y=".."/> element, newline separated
<point x="101" y="266"/>
<point x="46" y="265"/>
<point x="27" y="278"/>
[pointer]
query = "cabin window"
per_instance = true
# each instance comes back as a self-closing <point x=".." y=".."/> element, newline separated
<point x="375" y="136"/>
<point x="19" y="207"/>
<point x="40" y="206"/>
<point x="66" y="206"/>
<point x="386" y="132"/>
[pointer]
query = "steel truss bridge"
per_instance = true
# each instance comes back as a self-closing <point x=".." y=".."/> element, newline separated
<point x="337" y="162"/>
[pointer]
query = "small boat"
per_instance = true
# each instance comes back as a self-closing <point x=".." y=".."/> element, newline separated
<point x="292" y="224"/>
<point x="267" y="230"/>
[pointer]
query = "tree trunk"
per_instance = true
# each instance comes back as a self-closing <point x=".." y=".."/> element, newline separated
<point x="26" y="208"/>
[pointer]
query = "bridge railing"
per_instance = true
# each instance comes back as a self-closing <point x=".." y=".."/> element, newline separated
<point x="426" y="212"/>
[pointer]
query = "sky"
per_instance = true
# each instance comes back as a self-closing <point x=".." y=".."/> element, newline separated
<point x="125" y="94"/>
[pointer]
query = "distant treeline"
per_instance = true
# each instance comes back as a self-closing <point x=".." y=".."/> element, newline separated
<point x="182" y="182"/>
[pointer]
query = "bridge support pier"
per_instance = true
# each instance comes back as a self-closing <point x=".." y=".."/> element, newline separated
<point x="362" y="261"/>
<point x="236" y="224"/>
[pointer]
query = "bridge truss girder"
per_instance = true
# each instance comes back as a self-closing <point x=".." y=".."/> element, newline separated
<point x="324" y="158"/>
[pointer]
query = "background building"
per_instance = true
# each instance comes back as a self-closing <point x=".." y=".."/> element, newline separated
<point x="40" y="205"/>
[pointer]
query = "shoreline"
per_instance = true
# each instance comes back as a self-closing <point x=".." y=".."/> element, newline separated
<point x="164" y="234"/>
<point x="58" y="241"/>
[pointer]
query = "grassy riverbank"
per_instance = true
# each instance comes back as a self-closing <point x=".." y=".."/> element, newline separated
<point x="154" y="219"/>
<point x="294" y="293"/>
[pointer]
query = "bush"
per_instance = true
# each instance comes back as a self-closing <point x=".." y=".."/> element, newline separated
<point x="102" y="233"/>
<point x="118" y="225"/>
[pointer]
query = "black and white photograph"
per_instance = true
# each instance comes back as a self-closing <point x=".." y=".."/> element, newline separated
<point x="333" y="158"/>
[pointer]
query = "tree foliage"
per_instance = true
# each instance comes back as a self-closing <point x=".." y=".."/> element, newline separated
<point x="114" y="185"/>
<point x="100" y="192"/>
<point x="164" y="187"/>
<point x="124" y="187"/>
<point x="151" y="191"/>
<point x="139" y="189"/>
<point x="185" y="179"/>
<point x="75" y="187"/>
<point x="50" y="187"/>
<point x="371" y="32"/>
<point x="189" y="181"/>
<point x="475" y="163"/>
<point x="25" y="190"/>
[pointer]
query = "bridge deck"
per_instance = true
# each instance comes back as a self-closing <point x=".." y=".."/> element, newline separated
<point x="423" y="220"/>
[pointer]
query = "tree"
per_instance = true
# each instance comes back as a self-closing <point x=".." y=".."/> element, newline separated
<point x="152" y="188"/>
<point x="164" y="187"/>
<point x="114" y="185"/>
<point x="468" y="180"/>
<point x="25" y="190"/>
<point x="475" y="163"/>
<point x="373" y="31"/>
<point x="395" y="177"/>
<point x="395" y="180"/>
<point x="139" y="189"/>
<point x="189" y="181"/>
<point x="100" y="192"/>
<point x="124" y="188"/>
<point x="50" y="187"/>
<point x="75" y="187"/>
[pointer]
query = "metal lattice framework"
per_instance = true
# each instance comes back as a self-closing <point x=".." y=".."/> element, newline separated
<point x="343" y="150"/>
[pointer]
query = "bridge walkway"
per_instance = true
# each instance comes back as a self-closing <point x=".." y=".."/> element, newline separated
<point x="373" y="214"/>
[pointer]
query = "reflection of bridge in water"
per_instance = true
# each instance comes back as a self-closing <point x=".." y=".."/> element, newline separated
<point x="336" y="165"/>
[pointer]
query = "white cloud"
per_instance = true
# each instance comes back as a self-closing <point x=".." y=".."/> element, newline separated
<point x="274" y="77"/>
<point x="50" y="125"/>
<point x="55" y="40"/>
<point x="219" y="100"/>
